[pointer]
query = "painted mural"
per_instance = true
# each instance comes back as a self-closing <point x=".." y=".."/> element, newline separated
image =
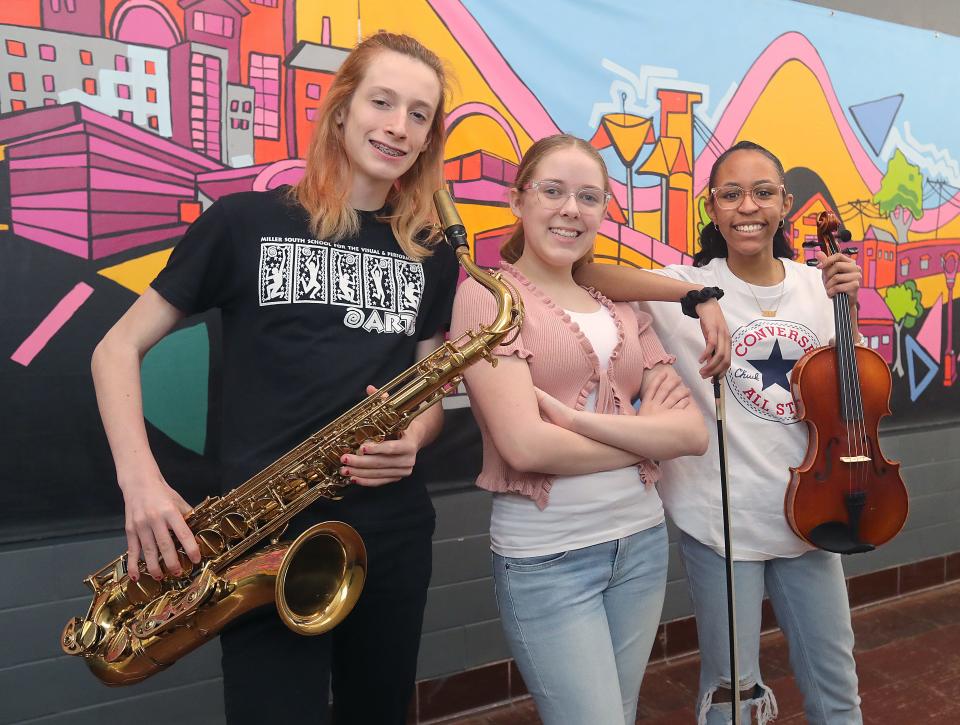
<point x="121" y="120"/>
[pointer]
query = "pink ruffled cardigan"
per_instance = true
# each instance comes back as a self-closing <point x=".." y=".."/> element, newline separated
<point x="563" y="363"/>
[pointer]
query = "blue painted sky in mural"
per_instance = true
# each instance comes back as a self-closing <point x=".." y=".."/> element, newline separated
<point x="557" y="49"/>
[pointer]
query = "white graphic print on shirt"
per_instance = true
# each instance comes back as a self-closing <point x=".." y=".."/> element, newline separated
<point x="381" y="291"/>
<point x="411" y="280"/>
<point x="275" y="268"/>
<point x="311" y="266"/>
<point x="345" y="277"/>
<point x="378" y="278"/>
<point x="764" y="353"/>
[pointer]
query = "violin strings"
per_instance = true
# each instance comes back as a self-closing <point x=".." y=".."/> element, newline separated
<point x="853" y="401"/>
<point x="850" y="389"/>
<point x="863" y="467"/>
<point x="843" y="364"/>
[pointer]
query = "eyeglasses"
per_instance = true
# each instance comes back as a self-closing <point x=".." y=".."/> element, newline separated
<point x="552" y="195"/>
<point x="731" y="197"/>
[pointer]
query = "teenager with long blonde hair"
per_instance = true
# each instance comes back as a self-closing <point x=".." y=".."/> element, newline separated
<point x="323" y="289"/>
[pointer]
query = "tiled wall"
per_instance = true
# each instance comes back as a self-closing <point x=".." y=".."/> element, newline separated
<point x="464" y="662"/>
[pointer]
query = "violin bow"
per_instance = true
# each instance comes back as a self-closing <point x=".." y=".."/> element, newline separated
<point x="718" y="399"/>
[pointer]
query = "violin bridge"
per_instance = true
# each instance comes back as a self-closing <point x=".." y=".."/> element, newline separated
<point x="855" y="459"/>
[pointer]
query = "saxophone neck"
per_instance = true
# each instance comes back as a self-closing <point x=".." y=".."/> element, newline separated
<point x="509" y="304"/>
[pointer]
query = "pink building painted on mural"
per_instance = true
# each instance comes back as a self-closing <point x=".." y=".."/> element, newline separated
<point x="480" y="177"/>
<point x="83" y="17"/>
<point x="92" y="186"/>
<point x="924" y="258"/>
<point x="179" y="92"/>
<point x="875" y="322"/>
<point x="216" y="23"/>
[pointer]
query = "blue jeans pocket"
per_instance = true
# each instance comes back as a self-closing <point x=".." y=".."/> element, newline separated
<point x="532" y="563"/>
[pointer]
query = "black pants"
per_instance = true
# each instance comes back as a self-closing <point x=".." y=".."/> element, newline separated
<point x="272" y="675"/>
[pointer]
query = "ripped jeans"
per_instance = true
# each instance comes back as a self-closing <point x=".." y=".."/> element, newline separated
<point x="809" y="597"/>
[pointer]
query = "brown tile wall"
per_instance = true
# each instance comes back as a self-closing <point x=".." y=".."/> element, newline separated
<point x="500" y="682"/>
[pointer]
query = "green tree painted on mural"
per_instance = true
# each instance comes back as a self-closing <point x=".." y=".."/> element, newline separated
<point x="904" y="302"/>
<point x="702" y="213"/>
<point x="901" y="194"/>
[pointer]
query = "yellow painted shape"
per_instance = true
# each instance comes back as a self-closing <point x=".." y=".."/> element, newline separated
<point x="793" y="119"/>
<point x="647" y="222"/>
<point x="931" y="289"/>
<point x="663" y="157"/>
<point x="479" y="132"/>
<point x="4" y="227"/>
<point x="479" y="218"/>
<point x="137" y="274"/>
<point x="627" y="132"/>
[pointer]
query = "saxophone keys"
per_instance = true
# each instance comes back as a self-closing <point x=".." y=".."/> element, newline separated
<point x="142" y="590"/>
<point x="89" y="635"/>
<point x="234" y="526"/>
<point x="118" y="645"/>
<point x="68" y="640"/>
<point x="186" y="566"/>
<point x="211" y="543"/>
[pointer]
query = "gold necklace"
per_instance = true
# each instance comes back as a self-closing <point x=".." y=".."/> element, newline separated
<point x="764" y="312"/>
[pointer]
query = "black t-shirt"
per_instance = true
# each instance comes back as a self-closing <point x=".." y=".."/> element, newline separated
<point x="307" y="325"/>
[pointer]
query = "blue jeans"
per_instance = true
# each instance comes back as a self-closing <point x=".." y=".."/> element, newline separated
<point x="809" y="597"/>
<point x="580" y="625"/>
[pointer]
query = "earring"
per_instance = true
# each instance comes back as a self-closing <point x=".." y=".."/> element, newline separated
<point x="780" y="226"/>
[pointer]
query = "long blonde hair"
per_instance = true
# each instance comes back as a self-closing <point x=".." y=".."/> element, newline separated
<point x="511" y="249"/>
<point x="323" y="191"/>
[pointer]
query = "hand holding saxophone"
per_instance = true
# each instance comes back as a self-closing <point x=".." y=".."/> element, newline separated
<point x="153" y="511"/>
<point x="376" y="463"/>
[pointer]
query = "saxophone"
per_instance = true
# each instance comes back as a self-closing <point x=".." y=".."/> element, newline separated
<point x="134" y="629"/>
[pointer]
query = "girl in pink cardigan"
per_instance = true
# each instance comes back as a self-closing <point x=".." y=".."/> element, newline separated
<point x="577" y="529"/>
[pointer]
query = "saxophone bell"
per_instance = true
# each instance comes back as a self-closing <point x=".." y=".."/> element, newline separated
<point x="321" y="577"/>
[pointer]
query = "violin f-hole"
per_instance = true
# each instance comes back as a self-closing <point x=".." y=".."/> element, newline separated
<point x="828" y="458"/>
<point x="879" y="463"/>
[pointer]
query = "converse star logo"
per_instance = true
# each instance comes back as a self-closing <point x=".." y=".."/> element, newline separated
<point x="764" y="353"/>
<point x="774" y="370"/>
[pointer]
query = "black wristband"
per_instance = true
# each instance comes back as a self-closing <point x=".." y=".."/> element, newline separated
<point x="689" y="302"/>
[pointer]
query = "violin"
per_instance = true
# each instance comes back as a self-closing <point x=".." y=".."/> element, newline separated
<point x="845" y="496"/>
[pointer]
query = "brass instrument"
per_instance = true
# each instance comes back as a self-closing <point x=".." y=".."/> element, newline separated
<point x="134" y="629"/>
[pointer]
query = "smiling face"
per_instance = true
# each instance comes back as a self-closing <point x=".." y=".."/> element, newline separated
<point x="749" y="228"/>
<point x="387" y="122"/>
<point x="557" y="238"/>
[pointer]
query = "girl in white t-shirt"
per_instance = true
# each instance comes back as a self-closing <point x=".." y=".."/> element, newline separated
<point x="777" y="309"/>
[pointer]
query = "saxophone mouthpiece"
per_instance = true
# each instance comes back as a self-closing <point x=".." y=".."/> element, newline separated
<point x="453" y="229"/>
